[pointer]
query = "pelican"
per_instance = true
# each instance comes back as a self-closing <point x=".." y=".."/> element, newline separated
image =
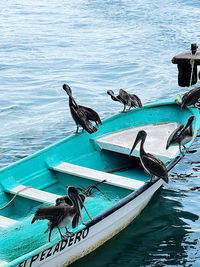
<point x="86" y="113"/>
<point x="153" y="165"/>
<point x="61" y="215"/>
<point x="191" y="98"/>
<point x="126" y="99"/>
<point x="84" y="193"/>
<point x="181" y="135"/>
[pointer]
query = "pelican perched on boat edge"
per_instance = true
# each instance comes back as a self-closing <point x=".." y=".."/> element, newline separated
<point x="181" y="135"/>
<point x="153" y="165"/>
<point x="191" y="98"/>
<point x="82" y="115"/>
<point x="61" y="215"/>
<point x="126" y="99"/>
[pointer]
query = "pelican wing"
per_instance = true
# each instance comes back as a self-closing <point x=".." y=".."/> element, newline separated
<point x="191" y="97"/>
<point x="173" y="138"/>
<point x="48" y="213"/>
<point x="155" y="166"/>
<point x="75" y="220"/>
<point x="136" y="100"/>
<point x="80" y="118"/>
<point x="90" y="114"/>
<point x="125" y="97"/>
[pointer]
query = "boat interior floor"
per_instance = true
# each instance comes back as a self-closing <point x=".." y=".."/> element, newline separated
<point x="157" y="136"/>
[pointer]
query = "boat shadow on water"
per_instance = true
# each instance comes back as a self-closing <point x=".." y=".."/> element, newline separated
<point x="157" y="237"/>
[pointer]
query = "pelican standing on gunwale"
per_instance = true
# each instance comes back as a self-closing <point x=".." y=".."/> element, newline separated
<point x="61" y="215"/>
<point x="82" y="115"/>
<point x="153" y="165"/>
<point x="181" y="135"/>
<point x="191" y="98"/>
<point x="126" y="99"/>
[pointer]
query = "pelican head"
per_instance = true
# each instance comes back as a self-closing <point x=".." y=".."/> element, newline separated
<point x="75" y="197"/>
<point x="67" y="89"/>
<point x="110" y="92"/>
<point x="184" y="99"/>
<point x="72" y="192"/>
<point x="191" y="119"/>
<point x="141" y="136"/>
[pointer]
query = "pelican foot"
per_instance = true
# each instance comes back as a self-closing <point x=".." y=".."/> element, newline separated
<point x="67" y="235"/>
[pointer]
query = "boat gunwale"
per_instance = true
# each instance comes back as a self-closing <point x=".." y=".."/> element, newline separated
<point x="170" y="101"/>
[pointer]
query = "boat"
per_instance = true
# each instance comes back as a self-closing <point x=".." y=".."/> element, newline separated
<point x="81" y="160"/>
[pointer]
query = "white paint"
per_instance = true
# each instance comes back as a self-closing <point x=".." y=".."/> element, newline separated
<point x="98" y="176"/>
<point x="2" y="263"/>
<point x="34" y="194"/>
<point x="5" y="222"/>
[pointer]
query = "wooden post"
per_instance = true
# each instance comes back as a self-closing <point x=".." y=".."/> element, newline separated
<point x="183" y="62"/>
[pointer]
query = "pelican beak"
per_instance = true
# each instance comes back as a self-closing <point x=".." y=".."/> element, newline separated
<point x="137" y="140"/>
<point x="80" y="211"/>
<point x="80" y="201"/>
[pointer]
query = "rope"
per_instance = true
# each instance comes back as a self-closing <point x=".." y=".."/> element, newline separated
<point x="15" y="197"/>
<point x="192" y="61"/>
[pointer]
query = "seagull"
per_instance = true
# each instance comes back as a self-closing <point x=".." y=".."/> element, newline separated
<point x="153" y="165"/>
<point x="62" y="214"/>
<point x="182" y="135"/>
<point x="82" y="115"/>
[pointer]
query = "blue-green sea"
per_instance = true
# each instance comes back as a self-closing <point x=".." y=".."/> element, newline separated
<point x="95" y="46"/>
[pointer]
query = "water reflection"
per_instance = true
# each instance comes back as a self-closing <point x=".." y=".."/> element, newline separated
<point x="157" y="237"/>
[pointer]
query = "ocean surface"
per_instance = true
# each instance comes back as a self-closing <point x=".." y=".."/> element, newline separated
<point x="94" y="46"/>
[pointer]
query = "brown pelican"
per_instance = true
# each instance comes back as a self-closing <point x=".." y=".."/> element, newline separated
<point x="66" y="200"/>
<point x="80" y="113"/>
<point x="191" y="98"/>
<point x="182" y="135"/>
<point x="153" y="165"/>
<point x="61" y="215"/>
<point x="126" y="99"/>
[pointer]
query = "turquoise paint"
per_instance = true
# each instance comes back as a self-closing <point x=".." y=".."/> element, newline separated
<point x="81" y="149"/>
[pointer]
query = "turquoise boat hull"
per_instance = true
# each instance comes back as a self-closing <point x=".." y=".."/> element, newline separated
<point x="99" y="155"/>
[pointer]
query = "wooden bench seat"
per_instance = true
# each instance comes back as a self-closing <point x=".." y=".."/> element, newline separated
<point x="157" y="136"/>
<point x="34" y="194"/>
<point x="98" y="176"/>
<point x="30" y="193"/>
<point x="2" y="263"/>
<point x="5" y="221"/>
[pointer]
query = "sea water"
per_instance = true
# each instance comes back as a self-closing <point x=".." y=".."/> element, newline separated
<point x="94" y="46"/>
